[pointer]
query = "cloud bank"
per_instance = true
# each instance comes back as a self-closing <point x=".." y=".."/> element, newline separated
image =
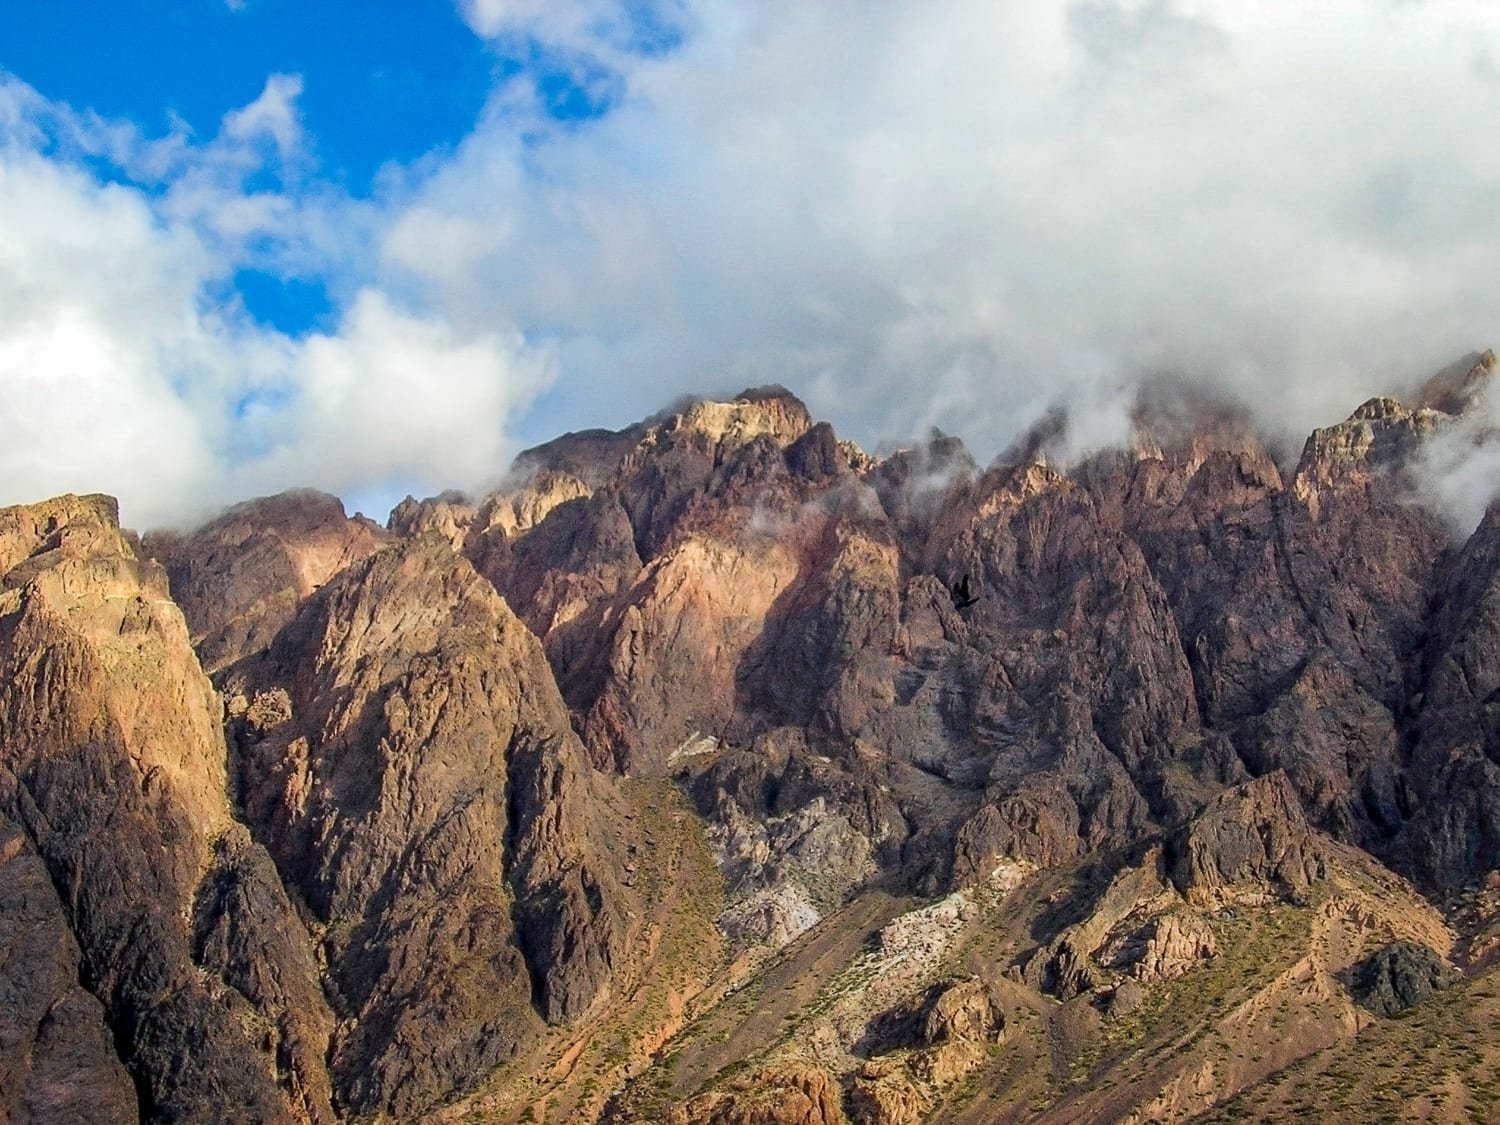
<point x="129" y="363"/>
<point x="952" y="214"/>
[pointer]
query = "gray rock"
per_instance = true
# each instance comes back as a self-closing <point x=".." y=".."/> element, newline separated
<point x="1401" y="976"/>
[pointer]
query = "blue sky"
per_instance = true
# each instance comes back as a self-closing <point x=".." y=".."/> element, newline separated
<point x="380" y="248"/>
<point x="400" y="83"/>
<point x="392" y="84"/>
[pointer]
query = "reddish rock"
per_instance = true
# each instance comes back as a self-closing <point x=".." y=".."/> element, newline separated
<point x="1201" y="669"/>
<point x="792" y="1096"/>
<point x="240" y="577"/>
<point x="1252" y="839"/>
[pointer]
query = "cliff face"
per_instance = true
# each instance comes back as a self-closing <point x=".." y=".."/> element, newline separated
<point x="413" y="847"/>
<point x="1139" y="632"/>
<point x="412" y="771"/>
<point x="113" y="770"/>
<point x="240" y="577"/>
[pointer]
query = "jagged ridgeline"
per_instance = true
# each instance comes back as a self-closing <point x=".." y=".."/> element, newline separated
<point x="714" y="770"/>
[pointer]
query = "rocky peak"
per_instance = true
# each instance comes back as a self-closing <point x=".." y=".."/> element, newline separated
<point x="1374" y="442"/>
<point x="450" y="514"/>
<point x="917" y="485"/>
<point x="1382" y="408"/>
<point x="516" y="510"/>
<point x="1454" y="389"/>
<point x="240" y="577"/>
<point x="772" y="411"/>
<point x="112" y="763"/>
<point x="405" y="750"/>
<point x="66" y="525"/>
<point x="1183" y="425"/>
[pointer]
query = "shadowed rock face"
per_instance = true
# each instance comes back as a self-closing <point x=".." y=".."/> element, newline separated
<point x="1145" y="630"/>
<point x="1452" y="786"/>
<point x="57" y="1061"/>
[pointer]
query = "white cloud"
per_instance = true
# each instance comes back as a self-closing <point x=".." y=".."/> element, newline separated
<point x="491" y="18"/>
<point x="1457" y="470"/>
<point x="593" y="26"/>
<point x="955" y="212"/>
<point x="96" y="313"/>
<point x="392" y="395"/>
<point x="273" y="115"/>
<point x="129" y="366"/>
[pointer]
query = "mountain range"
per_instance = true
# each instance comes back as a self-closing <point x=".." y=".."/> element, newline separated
<point x="715" y="770"/>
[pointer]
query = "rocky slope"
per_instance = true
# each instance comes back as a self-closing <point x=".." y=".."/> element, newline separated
<point x="393" y="875"/>
<point x="715" y="770"/>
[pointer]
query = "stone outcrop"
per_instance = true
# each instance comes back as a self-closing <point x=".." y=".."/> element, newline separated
<point x="1252" y="840"/>
<point x="917" y="1048"/>
<point x="1175" y="945"/>
<point x="797" y="1096"/>
<point x="950" y="1011"/>
<point x="1401" y="976"/>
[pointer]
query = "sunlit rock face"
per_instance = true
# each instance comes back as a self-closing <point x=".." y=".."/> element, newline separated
<point x="397" y="871"/>
<point x="113" y="778"/>
<point x="240" y="578"/>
